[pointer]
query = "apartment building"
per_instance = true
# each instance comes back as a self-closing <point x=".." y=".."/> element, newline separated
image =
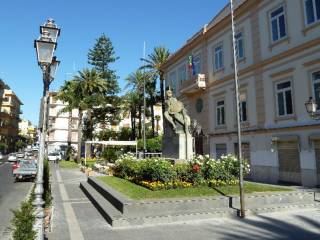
<point x="27" y="130"/>
<point x="62" y="126"/>
<point x="9" y="118"/>
<point x="125" y="121"/>
<point x="278" y="55"/>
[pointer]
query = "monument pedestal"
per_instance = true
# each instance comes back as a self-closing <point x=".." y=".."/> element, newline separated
<point x="177" y="145"/>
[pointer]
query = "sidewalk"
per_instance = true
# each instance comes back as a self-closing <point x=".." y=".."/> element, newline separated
<point x="75" y="218"/>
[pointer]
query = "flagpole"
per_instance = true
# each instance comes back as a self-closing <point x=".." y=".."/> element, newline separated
<point x="236" y="82"/>
<point x="144" y="104"/>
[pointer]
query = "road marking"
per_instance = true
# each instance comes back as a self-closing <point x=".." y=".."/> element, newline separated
<point x="73" y="225"/>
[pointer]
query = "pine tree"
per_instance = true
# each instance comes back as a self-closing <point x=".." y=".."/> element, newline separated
<point x="100" y="57"/>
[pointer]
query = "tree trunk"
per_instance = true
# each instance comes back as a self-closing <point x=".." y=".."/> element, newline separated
<point x="68" y="152"/>
<point x="152" y="117"/>
<point x="162" y="93"/>
<point x="79" y="135"/>
<point x="133" y="125"/>
<point x="140" y="121"/>
<point x="162" y="96"/>
<point x="157" y="126"/>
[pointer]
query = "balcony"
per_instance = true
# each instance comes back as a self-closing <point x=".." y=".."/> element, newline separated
<point x="194" y="85"/>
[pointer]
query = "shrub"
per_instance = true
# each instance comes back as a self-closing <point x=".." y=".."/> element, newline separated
<point x="156" y="169"/>
<point x="23" y="221"/>
<point x="152" y="144"/>
<point x="46" y="184"/>
<point x="126" y="167"/>
<point x="196" y="171"/>
<point x="3" y="147"/>
<point x="111" y="154"/>
<point x="183" y="171"/>
<point x="231" y="165"/>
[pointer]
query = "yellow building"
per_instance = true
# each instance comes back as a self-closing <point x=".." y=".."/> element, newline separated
<point x="9" y="118"/>
<point x="278" y="58"/>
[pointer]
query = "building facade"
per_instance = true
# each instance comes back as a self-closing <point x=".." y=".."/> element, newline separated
<point x="9" y="118"/>
<point x="278" y="55"/>
<point x="62" y="126"/>
<point x="126" y="122"/>
<point x="27" y="130"/>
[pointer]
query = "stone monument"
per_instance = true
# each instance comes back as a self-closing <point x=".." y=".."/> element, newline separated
<point x="177" y="140"/>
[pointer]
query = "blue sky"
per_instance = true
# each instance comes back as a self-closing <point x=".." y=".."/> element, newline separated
<point x="127" y="23"/>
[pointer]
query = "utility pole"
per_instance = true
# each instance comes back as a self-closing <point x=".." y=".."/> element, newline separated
<point x="236" y="83"/>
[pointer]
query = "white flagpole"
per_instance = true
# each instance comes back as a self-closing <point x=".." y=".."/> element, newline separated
<point x="236" y="82"/>
<point x="144" y="105"/>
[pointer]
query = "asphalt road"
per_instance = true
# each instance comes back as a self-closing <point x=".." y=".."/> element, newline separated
<point x="11" y="194"/>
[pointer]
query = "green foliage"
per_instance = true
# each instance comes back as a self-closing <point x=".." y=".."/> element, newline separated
<point x="46" y="184"/>
<point x="20" y="144"/>
<point x="3" y="147"/>
<point x="156" y="169"/>
<point x="100" y="56"/>
<point x="201" y="170"/>
<point x="22" y="222"/>
<point x="154" y="63"/>
<point x="68" y="164"/>
<point x="124" y="134"/>
<point x="111" y="153"/>
<point x="152" y="144"/>
<point x="70" y="153"/>
<point x="183" y="171"/>
<point x="126" y="167"/>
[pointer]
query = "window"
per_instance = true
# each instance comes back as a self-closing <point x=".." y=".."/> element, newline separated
<point x="221" y="149"/>
<point x="239" y="45"/>
<point x="316" y="87"/>
<point x="277" y="23"/>
<point x="220" y="113"/>
<point x="173" y="82"/>
<point x="243" y="107"/>
<point x="218" y="58"/>
<point x="182" y="76"/>
<point x="284" y="98"/>
<point x="197" y="65"/>
<point x="312" y="11"/>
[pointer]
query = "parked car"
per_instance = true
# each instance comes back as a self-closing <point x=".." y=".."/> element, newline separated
<point x="20" y="155"/>
<point x="54" y="156"/>
<point x="1" y="156"/>
<point x="12" y="157"/>
<point x="25" y="169"/>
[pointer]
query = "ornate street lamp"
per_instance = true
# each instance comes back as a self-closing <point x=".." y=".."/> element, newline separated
<point x="311" y="107"/>
<point x="53" y="68"/>
<point x="52" y="28"/>
<point x="45" y="46"/>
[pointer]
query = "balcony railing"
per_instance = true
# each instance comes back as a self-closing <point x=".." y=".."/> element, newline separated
<point x="194" y="84"/>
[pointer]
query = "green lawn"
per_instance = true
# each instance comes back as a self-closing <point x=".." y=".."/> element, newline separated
<point x="137" y="192"/>
<point x="67" y="164"/>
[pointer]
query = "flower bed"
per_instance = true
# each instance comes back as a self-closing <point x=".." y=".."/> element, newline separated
<point x="158" y="173"/>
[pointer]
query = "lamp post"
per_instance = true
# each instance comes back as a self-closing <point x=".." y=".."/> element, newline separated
<point x="45" y="47"/>
<point x="311" y="107"/>
<point x="236" y="83"/>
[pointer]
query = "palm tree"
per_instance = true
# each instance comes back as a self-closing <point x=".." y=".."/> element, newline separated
<point x="136" y="81"/>
<point x="84" y="92"/>
<point x="154" y="62"/>
<point x="131" y="102"/>
<point x="69" y="94"/>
